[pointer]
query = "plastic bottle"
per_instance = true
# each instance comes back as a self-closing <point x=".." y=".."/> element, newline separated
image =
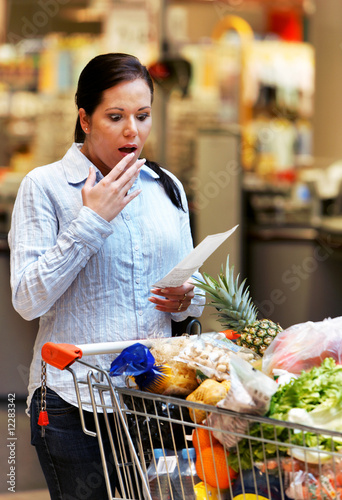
<point x="184" y="479"/>
<point x="159" y="474"/>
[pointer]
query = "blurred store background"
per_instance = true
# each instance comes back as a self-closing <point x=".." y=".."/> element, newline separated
<point x="247" y="113"/>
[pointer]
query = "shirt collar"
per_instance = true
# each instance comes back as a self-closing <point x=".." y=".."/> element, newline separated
<point x="76" y="166"/>
<point x="147" y="170"/>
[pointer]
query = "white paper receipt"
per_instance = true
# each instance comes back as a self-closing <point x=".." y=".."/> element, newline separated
<point x="194" y="260"/>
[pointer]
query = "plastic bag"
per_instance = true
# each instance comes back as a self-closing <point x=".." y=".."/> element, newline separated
<point x="183" y="380"/>
<point x="250" y="392"/>
<point x="211" y="355"/>
<point x="306" y="481"/>
<point x="134" y="360"/>
<point x="138" y="364"/>
<point x="304" y="346"/>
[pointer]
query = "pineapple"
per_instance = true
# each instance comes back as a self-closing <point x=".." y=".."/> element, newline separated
<point x="237" y="311"/>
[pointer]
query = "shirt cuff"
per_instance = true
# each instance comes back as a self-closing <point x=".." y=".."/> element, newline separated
<point x="195" y="309"/>
<point x="90" y="228"/>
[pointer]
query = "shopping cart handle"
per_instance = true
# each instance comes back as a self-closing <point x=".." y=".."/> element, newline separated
<point x="60" y="355"/>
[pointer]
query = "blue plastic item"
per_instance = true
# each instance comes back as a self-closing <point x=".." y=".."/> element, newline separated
<point x="134" y="360"/>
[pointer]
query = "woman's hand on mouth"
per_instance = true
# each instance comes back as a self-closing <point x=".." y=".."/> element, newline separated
<point x="109" y="196"/>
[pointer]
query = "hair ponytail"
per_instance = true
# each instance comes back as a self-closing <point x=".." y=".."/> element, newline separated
<point x="169" y="185"/>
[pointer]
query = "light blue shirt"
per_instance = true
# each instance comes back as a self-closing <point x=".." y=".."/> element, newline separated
<point x="88" y="279"/>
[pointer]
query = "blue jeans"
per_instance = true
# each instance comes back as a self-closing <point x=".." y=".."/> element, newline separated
<point x="70" y="459"/>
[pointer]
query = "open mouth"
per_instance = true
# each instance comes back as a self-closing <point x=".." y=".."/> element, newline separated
<point x="128" y="150"/>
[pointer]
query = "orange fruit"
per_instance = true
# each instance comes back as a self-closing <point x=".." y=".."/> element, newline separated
<point x="214" y="458"/>
<point x="202" y="438"/>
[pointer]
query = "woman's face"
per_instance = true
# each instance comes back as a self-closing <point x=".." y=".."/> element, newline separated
<point x="119" y="125"/>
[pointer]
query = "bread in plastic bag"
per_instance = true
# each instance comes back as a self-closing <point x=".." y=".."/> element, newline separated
<point x="183" y="379"/>
<point x="155" y="370"/>
<point x="250" y="393"/>
<point x="303" y="346"/>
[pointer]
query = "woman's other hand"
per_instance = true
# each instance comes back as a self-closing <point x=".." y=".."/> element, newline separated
<point x="108" y="197"/>
<point x="172" y="300"/>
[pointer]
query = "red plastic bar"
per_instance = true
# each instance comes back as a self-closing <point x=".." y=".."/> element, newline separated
<point x="60" y="355"/>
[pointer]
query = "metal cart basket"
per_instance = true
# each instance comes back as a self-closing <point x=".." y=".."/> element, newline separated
<point x="265" y="459"/>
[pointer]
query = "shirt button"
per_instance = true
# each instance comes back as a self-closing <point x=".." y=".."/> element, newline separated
<point x="136" y="247"/>
<point x="103" y="235"/>
<point x="140" y="313"/>
<point x="137" y="280"/>
<point x="127" y="217"/>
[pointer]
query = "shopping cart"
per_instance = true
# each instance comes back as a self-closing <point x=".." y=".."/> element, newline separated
<point x="266" y="459"/>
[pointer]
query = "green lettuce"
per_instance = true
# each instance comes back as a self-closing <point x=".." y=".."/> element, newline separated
<point x="314" y="399"/>
<point x="318" y="391"/>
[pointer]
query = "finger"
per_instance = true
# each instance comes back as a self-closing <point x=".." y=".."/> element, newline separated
<point x="164" y="302"/>
<point x="179" y="293"/>
<point x="131" y="171"/>
<point x="172" y="307"/>
<point x="129" y="197"/>
<point x="174" y="293"/>
<point x="123" y="167"/>
<point x="125" y="188"/>
<point x="156" y="291"/>
<point x="90" y="182"/>
<point x="166" y="305"/>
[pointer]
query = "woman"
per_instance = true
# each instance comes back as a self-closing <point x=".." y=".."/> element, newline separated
<point x="90" y="235"/>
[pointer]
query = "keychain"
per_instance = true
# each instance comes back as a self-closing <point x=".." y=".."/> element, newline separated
<point x="43" y="419"/>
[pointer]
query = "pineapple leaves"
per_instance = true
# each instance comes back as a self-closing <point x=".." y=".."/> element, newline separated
<point x="232" y="301"/>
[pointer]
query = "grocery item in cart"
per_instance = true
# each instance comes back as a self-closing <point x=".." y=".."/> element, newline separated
<point x="211" y="355"/>
<point x="313" y="399"/>
<point x="184" y="478"/>
<point x="250" y="392"/>
<point x="236" y="310"/>
<point x="202" y="438"/>
<point x="159" y="474"/>
<point x="312" y="404"/>
<point x="138" y="364"/>
<point x="306" y="481"/>
<point x="183" y="377"/>
<point x="305" y="345"/>
<point x="255" y="483"/>
<point x="134" y="360"/>
<point x="212" y="466"/>
<point x="204" y="491"/>
<point x="209" y="392"/>
<point x="212" y="461"/>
